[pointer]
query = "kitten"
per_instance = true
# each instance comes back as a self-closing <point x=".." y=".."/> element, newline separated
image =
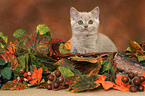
<point x="85" y="35"/>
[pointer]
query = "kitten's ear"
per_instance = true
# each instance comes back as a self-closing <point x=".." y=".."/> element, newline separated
<point x="95" y="12"/>
<point x="73" y="13"/>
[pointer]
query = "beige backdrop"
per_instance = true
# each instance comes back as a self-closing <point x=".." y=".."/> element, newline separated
<point x="121" y="20"/>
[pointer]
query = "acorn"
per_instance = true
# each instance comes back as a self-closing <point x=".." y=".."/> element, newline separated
<point x="61" y="79"/>
<point x="131" y="75"/>
<point x="140" y="88"/>
<point x="132" y="88"/>
<point x="50" y="77"/>
<point x="55" y="85"/>
<point x="49" y="86"/>
<point x="142" y="78"/>
<point x="136" y="81"/>
<point x="125" y="79"/>
<point x="18" y="78"/>
<point x="57" y="73"/>
<point x="29" y="73"/>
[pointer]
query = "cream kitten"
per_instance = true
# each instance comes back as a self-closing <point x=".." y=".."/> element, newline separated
<point x="85" y="35"/>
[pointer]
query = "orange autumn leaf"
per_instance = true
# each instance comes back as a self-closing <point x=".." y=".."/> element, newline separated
<point x="121" y="88"/>
<point x="106" y="84"/>
<point x="102" y="77"/>
<point x="11" y="48"/>
<point x="120" y="85"/>
<point x="68" y="45"/>
<point x="36" y="75"/>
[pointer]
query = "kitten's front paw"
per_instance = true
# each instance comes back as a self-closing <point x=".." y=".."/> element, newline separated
<point x="86" y="50"/>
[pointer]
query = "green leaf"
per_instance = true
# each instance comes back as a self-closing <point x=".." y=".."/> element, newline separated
<point x="22" y="61"/>
<point x="65" y="63"/>
<point x="84" y="82"/>
<point x="43" y="29"/>
<point x="19" y="33"/>
<point x="2" y="62"/>
<point x="63" y="49"/>
<point x="66" y="72"/>
<point x="4" y="38"/>
<point x="141" y="58"/>
<point x="68" y="64"/>
<point x="87" y="59"/>
<point x="6" y="73"/>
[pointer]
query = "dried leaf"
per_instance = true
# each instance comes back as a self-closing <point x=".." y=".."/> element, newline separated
<point x="84" y="82"/>
<point x="54" y="46"/>
<point x="120" y="85"/>
<point x="87" y="59"/>
<point x="8" y="57"/>
<point x="11" y="48"/>
<point x="13" y="85"/>
<point x="37" y="75"/>
<point x="134" y="45"/>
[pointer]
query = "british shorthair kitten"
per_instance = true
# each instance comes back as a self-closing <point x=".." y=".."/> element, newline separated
<point x="85" y="35"/>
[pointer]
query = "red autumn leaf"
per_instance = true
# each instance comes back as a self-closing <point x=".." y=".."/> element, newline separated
<point x="36" y="75"/>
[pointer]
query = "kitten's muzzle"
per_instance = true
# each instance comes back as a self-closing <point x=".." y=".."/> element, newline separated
<point x="86" y="26"/>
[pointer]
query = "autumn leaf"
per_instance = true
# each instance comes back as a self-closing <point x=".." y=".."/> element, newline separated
<point x="54" y="46"/>
<point x="8" y="57"/>
<point x="19" y="33"/>
<point x="11" y="48"/>
<point x="120" y="85"/>
<point x="84" y="83"/>
<point x="13" y="85"/>
<point x="42" y="29"/>
<point x="134" y="45"/>
<point x="36" y="75"/>
<point x="106" y="84"/>
<point x="87" y="59"/>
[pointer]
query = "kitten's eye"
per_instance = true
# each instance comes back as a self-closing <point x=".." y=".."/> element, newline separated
<point x="80" y="22"/>
<point x="90" y="22"/>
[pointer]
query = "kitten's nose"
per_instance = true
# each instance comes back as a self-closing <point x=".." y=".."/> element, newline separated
<point x="86" y="26"/>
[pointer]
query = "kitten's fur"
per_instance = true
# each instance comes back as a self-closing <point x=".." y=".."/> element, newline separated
<point x="88" y="40"/>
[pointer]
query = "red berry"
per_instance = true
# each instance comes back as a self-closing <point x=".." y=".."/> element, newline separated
<point x="125" y="79"/>
<point x="25" y="74"/>
<point x="23" y="71"/>
<point x="29" y="78"/>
